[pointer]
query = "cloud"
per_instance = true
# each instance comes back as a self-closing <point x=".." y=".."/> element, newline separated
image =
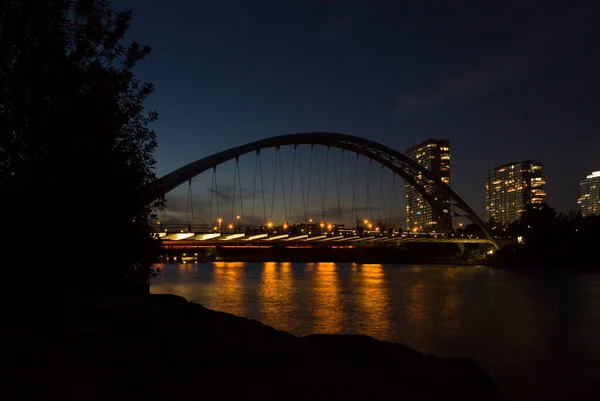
<point x="504" y="68"/>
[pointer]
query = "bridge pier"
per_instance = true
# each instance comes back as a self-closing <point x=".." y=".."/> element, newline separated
<point x="461" y="248"/>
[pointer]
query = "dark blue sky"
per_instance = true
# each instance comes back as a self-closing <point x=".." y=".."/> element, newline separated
<point x="503" y="80"/>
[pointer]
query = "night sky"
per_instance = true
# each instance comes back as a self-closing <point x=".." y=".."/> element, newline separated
<point x="504" y="82"/>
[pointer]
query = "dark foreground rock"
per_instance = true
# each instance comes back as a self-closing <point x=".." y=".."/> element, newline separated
<point x="165" y="348"/>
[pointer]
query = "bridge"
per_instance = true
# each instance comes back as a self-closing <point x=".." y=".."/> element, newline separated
<point x="360" y="213"/>
<point x="191" y="239"/>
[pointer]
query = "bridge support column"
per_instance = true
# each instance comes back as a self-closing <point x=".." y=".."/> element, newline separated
<point x="461" y="247"/>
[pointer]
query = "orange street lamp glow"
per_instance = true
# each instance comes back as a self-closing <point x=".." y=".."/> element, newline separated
<point x="238" y="217"/>
<point x="269" y="224"/>
<point x="310" y="220"/>
<point x="322" y="225"/>
<point x="329" y="226"/>
<point x="366" y="221"/>
<point x="285" y="226"/>
<point x="219" y="220"/>
<point x="230" y="226"/>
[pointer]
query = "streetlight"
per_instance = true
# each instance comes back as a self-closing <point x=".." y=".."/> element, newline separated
<point x="285" y="226"/>
<point x="269" y="224"/>
<point x="230" y="226"/>
<point x="220" y="220"/>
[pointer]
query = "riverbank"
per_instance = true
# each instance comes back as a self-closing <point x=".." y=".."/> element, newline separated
<point x="162" y="347"/>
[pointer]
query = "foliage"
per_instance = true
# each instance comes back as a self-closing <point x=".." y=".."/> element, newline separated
<point x="554" y="239"/>
<point x="75" y="146"/>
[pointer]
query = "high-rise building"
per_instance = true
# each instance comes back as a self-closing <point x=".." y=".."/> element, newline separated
<point x="509" y="188"/>
<point x="434" y="155"/>
<point x="590" y="195"/>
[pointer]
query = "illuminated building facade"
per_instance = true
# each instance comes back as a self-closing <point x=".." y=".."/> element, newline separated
<point x="434" y="155"/>
<point x="509" y="188"/>
<point x="589" y="199"/>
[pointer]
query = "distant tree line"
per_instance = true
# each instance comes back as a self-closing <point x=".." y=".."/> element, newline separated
<point x="75" y="149"/>
<point x="548" y="238"/>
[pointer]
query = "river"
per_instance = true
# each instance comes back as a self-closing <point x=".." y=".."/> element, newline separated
<point x="537" y="333"/>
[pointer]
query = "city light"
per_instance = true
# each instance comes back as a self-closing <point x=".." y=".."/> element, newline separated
<point x="230" y="226"/>
<point x="269" y="224"/>
<point x="322" y="225"/>
<point x="285" y="226"/>
<point x="238" y="217"/>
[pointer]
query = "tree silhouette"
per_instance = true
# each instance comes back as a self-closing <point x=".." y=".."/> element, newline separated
<point x="553" y="239"/>
<point x="75" y="145"/>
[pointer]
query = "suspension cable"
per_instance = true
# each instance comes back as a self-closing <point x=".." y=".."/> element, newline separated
<point x="282" y="187"/>
<point x="312" y="148"/>
<point x="325" y="184"/>
<point x="212" y="193"/>
<point x="254" y="190"/>
<point x="234" y="188"/>
<point x="164" y="212"/>
<point x="353" y="178"/>
<point x="302" y="188"/>
<point x="190" y="206"/>
<point x="240" y="187"/>
<point x="274" y="183"/>
<point x="393" y="196"/>
<point x="398" y="208"/>
<point x="368" y="208"/>
<point x="338" y="185"/>
<point x="292" y="184"/>
<point x="381" y="203"/>
<point x="262" y="186"/>
<point x="320" y="189"/>
<point x="217" y="194"/>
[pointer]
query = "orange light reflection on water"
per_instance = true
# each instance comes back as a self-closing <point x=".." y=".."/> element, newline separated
<point x="451" y="303"/>
<point x="373" y="300"/>
<point x="275" y="296"/>
<point x="329" y="312"/>
<point x="230" y="282"/>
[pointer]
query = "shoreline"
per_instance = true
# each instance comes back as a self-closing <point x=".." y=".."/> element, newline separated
<point x="112" y="347"/>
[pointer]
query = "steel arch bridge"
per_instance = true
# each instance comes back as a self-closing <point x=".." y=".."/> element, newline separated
<point x="412" y="172"/>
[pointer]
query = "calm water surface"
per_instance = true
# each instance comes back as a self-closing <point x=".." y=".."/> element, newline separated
<point x="537" y="333"/>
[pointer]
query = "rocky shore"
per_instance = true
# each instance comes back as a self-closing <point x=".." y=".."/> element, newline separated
<point x="161" y="347"/>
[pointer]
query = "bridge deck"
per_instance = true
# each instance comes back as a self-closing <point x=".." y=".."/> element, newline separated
<point x="268" y="240"/>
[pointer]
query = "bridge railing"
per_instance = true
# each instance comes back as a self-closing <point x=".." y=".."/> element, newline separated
<point x="296" y="230"/>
